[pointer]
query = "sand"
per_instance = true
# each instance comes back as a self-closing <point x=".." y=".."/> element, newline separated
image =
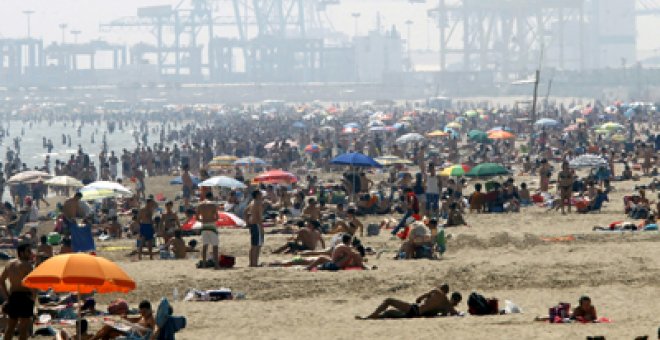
<point x="500" y="255"/>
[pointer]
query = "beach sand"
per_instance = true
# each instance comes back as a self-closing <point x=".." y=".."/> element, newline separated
<point x="500" y="255"/>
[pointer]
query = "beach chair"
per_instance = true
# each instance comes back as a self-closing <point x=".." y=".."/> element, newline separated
<point x="171" y="327"/>
<point x="596" y="205"/>
<point x="168" y="325"/>
<point x="598" y="202"/>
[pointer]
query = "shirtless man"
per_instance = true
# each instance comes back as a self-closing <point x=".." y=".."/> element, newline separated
<point x="306" y="239"/>
<point x="178" y="246"/>
<point x="350" y="226"/>
<point x="207" y="214"/>
<point x="254" y="217"/>
<point x="565" y="182"/>
<point x="139" y="185"/>
<point x="70" y="211"/>
<point x="140" y="327"/>
<point x="114" y="228"/>
<point x="145" y="218"/>
<point x="433" y="303"/>
<point x="44" y="250"/>
<point x="20" y="300"/>
<point x="312" y="211"/>
<point x="170" y="221"/>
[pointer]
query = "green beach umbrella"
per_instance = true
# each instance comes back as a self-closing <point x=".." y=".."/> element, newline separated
<point x="488" y="169"/>
<point x="478" y="136"/>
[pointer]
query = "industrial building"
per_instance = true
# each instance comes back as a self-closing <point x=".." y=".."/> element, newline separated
<point x="290" y="41"/>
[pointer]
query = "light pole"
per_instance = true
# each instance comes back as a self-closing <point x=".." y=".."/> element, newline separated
<point x="428" y="34"/>
<point x="63" y="27"/>
<point x="408" y="36"/>
<point x="356" y="16"/>
<point x="75" y="35"/>
<point x="28" y="13"/>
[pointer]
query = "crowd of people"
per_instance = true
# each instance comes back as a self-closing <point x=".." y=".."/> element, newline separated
<point x="412" y="196"/>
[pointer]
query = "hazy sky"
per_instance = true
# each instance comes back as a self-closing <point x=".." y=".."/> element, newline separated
<point x="85" y="15"/>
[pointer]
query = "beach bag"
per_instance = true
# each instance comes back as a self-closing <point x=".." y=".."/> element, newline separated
<point x="227" y="261"/>
<point x="478" y="304"/>
<point x="494" y="305"/>
<point x="559" y="312"/>
<point x="373" y="229"/>
<point x="403" y="234"/>
<point x="537" y="198"/>
<point x="217" y="295"/>
<point x="423" y="252"/>
<point x="54" y="239"/>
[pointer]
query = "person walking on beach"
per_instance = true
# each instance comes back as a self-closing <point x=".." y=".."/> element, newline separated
<point x="207" y="215"/>
<point x="20" y="299"/>
<point x="254" y="214"/>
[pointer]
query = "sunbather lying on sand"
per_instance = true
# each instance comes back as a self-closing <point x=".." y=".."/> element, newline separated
<point x="295" y="261"/>
<point x="584" y="312"/>
<point x="336" y="240"/>
<point x="343" y="256"/>
<point x="431" y="304"/>
<point x="139" y="327"/>
<point x="82" y="325"/>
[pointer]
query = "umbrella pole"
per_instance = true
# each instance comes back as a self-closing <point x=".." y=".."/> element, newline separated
<point x="79" y="323"/>
<point x="354" y="195"/>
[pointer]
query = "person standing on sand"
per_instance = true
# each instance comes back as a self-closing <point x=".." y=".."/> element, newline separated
<point x="207" y="215"/>
<point x="71" y="210"/>
<point x="544" y="174"/>
<point x="565" y="182"/>
<point x="170" y="222"/>
<point x="254" y="217"/>
<point x="145" y="218"/>
<point x="20" y="299"/>
<point x="140" y="186"/>
<point x="187" y="185"/>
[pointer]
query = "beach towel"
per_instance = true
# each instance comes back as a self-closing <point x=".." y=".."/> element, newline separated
<point x="568" y="238"/>
<point x="82" y="239"/>
<point x="314" y="270"/>
<point x="115" y="248"/>
<point x="209" y="295"/>
<point x="171" y="326"/>
<point x="559" y="320"/>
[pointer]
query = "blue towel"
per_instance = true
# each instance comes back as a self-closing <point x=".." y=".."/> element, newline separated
<point x="173" y="325"/>
<point x="82" y="239"/>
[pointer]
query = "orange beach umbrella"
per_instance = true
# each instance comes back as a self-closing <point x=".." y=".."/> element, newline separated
<point x="501" y="134"/>
<point x="82" y="273"/>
